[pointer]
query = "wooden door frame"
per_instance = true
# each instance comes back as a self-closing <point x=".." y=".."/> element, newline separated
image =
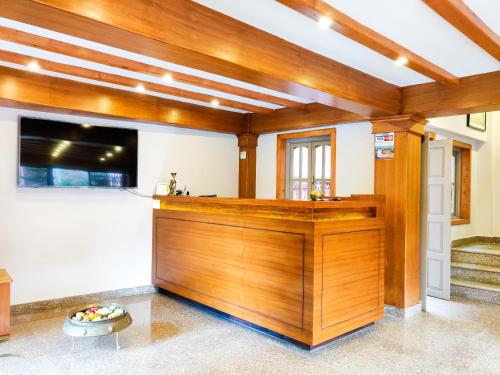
<point x="281" y="157"/>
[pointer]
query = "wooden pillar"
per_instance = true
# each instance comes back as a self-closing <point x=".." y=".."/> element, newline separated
<point x="248" y="163"/>
<point x="399" y="180"/>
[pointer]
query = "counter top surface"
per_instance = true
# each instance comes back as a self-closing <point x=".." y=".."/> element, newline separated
<point x="341" y="208"/>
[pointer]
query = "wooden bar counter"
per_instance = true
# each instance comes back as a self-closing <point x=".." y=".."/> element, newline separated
<point x="310" y="271"/>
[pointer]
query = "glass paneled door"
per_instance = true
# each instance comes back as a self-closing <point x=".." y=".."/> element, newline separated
<point x="309" y="168"/>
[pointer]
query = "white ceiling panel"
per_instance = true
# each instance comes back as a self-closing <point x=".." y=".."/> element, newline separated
<point x="488" y="11"/>
<point x="119" y="87"/>
<point x="414" y="25"/>
<point x="148" y="60"/>
<point x="407" y="22"/>
<point x="285" y="23"/>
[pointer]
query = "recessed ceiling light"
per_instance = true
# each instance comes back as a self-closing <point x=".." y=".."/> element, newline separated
<point x="401" y="61"/>
<point x="55" y="154"/>
<point x="102" y="159"/>
<point x="324" y="22"/>
<point x="215" y="103"/>
<point x="118" y="148"/>
<point x="33" y="66"/>
<point x="86" y="126"/>
<point x="109" y="154"/>
<point x="168" y="78"/>
<point x="67" y="143"/>
<point x="140" y="87"/>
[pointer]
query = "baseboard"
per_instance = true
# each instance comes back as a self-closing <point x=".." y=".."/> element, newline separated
<point x="468" y="240"/>
<point x="83" y="299"/>
<point x="402" y="312"/>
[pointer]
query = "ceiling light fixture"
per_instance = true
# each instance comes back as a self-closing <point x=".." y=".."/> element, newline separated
<point x="102" y="159"/>
<point x="215" y="103"/>
<point x="109" y="154"/>
<point x="168" y="78"/>
<point x="401" y="60"/>
<point x="118" y="148"/>
<point x="86" y="126"/>
<point x="324" y="22"/>
<point x="140" y="87"/>
<point x="33" y="66"/>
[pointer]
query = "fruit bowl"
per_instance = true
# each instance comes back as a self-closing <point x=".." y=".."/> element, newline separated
<point x="96" y="320"/>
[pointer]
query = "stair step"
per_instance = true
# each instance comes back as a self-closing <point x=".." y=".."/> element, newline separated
<point x="476" y="290"/>
<point x="476" y="285"/>
<point x="477" y="253"/>
<point x="475" y="272"/>
<point x="477" y="257"/>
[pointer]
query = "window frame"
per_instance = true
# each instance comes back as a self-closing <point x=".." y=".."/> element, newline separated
<point x="281" y="157"/>
<point x="463" y="185"/>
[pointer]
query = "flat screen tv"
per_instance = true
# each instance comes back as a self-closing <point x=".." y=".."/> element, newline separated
<point x="61" y="154"/>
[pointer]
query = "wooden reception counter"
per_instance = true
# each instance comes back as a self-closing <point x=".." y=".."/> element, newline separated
<point x="310" y="271"/>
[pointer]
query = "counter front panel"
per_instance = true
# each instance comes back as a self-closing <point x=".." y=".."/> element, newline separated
<point x="312" y="276"/>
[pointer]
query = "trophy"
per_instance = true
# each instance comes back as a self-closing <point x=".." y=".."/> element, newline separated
<point x="172" y="184"/>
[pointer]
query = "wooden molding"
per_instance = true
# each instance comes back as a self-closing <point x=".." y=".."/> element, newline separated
<point x="281" y="157"/>
<point x="125" y="81"/>
<point x="403" y="123"/>
<point x="457" y="13"/>
<point x="231" y="48"/>
<point x="29" y="90"/>
<point x="301" y="118"/>
<point x="83" y="53"/>
<point x="354" y="30"/>
<point x="461" y="145"/>
<point x="477" y="93"/>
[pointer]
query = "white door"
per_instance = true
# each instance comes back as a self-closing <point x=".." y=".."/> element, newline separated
<point x="439" y="219"/>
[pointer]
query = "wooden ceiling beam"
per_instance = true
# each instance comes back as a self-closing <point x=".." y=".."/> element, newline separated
<point x="77" y="71"/>
<point x="56" y="46"/>
<point x="478" y="93"/>
<point x="354" y="30"/>
<point x="457" y="13"/>
<point x="189" y="34"/>
<point x="29" y="90"/>
<point x="294" y="119"/>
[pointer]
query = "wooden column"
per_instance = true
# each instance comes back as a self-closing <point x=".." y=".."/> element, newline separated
<point x="399" y="180"/>
<point x="248" y="163"/>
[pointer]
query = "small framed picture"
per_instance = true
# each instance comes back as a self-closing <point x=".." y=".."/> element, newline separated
<point x="477" y="121"/>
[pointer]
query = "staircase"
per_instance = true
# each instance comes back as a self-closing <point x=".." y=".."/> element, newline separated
<point x="475" y="270"/>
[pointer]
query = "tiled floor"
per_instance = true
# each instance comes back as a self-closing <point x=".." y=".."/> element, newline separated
<point x="171" y="337"/>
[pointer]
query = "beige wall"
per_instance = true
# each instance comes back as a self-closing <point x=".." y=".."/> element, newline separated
<point x="67" y="241"/>
<point x="355" y="161"/>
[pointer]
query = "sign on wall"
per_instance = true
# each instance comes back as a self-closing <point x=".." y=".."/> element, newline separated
<point x="384" y="146"/>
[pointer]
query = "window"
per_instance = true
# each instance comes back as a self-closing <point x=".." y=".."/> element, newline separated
<point x="306" y="162"/>
<point x="460" y="183"/>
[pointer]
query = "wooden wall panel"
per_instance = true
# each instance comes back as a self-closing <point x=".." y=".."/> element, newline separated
<point x="350" y="271"/>
<point x="241" y="266"/>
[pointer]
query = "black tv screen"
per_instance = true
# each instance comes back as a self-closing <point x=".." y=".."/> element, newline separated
<point x="61" y="154"/>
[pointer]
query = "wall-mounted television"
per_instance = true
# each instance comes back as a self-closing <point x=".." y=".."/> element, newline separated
<point x="62" y="154"/>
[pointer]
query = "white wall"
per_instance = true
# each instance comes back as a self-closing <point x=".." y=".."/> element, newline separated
<point x="355" y="161"/>
<point x="64" y="242"/>
<point x="485" y="145"/>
